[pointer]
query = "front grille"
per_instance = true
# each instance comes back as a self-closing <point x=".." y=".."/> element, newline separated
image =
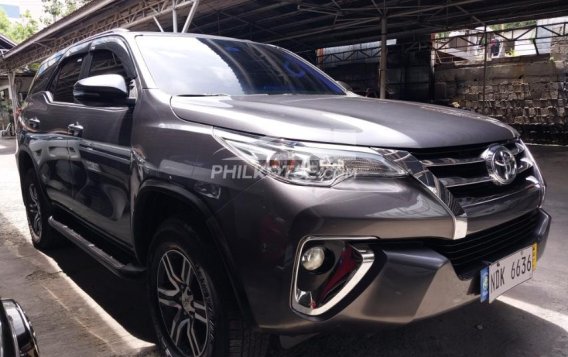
<point x="464" y="173"/>
<point x="468" y="255"/>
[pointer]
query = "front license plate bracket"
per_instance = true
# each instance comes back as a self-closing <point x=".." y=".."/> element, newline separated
<point x="508" y="272"/>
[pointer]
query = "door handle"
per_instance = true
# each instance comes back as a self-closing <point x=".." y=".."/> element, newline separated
<point x="75" y="129"/>
<point x="33" y="123"/>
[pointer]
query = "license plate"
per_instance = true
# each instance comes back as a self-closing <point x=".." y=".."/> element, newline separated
<point x="507" y="273"/>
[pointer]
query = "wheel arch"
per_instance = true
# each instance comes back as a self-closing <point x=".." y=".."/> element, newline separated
<point x="25" y="162"/>
<point x="156" y="201"/>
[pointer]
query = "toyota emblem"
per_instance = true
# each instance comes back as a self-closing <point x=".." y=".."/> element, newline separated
<point x="501" y="164"/>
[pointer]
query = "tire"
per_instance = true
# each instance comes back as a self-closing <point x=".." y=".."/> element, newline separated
<point x="189" y="296"/>
<point x="38" y="213"/>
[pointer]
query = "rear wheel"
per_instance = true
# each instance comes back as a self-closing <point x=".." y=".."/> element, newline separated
<point x="192" y="306"/>
<point x="37" y="211"/>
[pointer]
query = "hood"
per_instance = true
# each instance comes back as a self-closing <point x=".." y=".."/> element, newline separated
<point x="348" y="120"/>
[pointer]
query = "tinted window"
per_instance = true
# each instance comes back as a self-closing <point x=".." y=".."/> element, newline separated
<point x="106" y="62"/>
<point x="43" y="74"/>
<point x="68" y="75"/>
<point x="201" y="66"/>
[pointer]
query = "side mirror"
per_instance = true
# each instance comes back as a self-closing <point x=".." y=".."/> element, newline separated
<point x="17" y="337"/>
<point x="103" y="88"/>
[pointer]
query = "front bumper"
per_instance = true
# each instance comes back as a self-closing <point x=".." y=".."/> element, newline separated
<point x="411" y="278"/>
<point x="420" y="282"/>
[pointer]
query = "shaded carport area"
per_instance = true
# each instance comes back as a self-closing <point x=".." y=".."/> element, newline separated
<point x="79" y="309"/>
<point x="298" y="25"/>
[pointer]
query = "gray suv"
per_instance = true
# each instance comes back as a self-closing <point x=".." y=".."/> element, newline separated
<point x="260" y="198"/>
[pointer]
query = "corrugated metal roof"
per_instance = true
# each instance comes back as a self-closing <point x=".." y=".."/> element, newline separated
<point x="299" y="25"/>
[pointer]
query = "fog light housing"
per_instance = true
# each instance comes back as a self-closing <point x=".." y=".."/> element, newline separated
<point x="326" y="269"/>
<point x="313" y="258"/>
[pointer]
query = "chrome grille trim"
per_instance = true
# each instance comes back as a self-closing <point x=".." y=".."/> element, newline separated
<point x="533" y="184"/>
<point x="451" y="162"/>
<point x="466" y="161"/>
<point x="439" y="192"/>
<point x="427" y="173"/>
<point x="450" y="182"/>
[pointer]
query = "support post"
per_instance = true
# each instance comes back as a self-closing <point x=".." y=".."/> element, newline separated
<point x="485" y="68"/>
<point x="158" y="23"/>
<point x="13" y="93"/>
<point x="190" y="16"/>
<point x="174" y="17"/>
<point x="432" y="70"/>
<point x="384" y="55"/>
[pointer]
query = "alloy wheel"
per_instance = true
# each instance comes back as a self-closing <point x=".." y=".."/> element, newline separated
<point x="34" y="210"/>
<point x="181" y="299"/>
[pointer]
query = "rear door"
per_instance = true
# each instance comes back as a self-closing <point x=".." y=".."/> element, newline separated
<point x="45" y="122"/>
<point x="100" y="149"/>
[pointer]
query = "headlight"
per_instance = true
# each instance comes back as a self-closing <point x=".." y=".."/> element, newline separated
<point x="306" y="163"/>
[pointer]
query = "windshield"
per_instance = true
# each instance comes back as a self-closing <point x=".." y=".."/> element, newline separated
<point x="208" y="66"/>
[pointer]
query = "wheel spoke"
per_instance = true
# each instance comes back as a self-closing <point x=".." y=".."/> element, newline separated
<point x="172" y="277"/>
<point x="170" y="303"/>
<point x="186" y="272"/>
<point x="193" y="343"/>
<point x="37" y="223"/>
<point x="33" y="193"/>
<point x="200" y="317"/>
<point x="200" y="312"/>
<point x="168" y="293"/>
<point x="177" y="327"/>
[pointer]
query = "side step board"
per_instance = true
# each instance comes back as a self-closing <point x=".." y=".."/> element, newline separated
<point x="128" y="271"/>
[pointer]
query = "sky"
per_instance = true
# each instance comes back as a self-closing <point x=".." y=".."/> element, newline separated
<point x="34" y="6"/>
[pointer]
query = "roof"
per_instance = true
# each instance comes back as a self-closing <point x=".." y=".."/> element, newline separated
<point x="299" y="25"/>
<point x="6" y="43"/>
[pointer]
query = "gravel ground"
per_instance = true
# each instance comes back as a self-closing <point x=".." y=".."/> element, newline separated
<point x="79" y="309"/>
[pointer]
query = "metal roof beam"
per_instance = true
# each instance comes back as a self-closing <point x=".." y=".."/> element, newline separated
<point x="261" y="28"/>
<point x="247" y="14"/>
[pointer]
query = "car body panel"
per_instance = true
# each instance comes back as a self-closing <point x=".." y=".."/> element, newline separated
<point x="348" y="119"/>
<point x="48" y="145"/>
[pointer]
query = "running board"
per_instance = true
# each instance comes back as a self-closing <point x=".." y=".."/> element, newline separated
<point x="129" y="271"/>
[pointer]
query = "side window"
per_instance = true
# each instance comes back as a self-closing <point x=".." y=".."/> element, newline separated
<point x="106" y="62"/>
<point x="62" y="85"/>
<point x="43" y="75"/>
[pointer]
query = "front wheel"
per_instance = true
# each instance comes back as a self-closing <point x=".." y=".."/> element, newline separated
<point x="192" y="307"/>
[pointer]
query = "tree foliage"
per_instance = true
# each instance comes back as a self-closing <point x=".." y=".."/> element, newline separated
<point x="56" y="9"/>
<point x="20" y="30"/>
<point x="26" y="26"/>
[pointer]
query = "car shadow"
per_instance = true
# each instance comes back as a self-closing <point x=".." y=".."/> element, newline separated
<point x="496" y="329"/>
<point x="125" y="300"/>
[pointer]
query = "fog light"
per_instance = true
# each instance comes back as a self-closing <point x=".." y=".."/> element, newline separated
<point x="313" y="258"/>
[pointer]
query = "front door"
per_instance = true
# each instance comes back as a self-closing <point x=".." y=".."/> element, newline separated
<point x="100" y="154"/>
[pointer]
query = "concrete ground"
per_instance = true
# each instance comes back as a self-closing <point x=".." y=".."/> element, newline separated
<point x="79" y="309"/>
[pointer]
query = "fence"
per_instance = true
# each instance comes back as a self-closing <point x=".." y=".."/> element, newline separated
<point x="477" y="45"/>
<point x="518" y="75"/>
